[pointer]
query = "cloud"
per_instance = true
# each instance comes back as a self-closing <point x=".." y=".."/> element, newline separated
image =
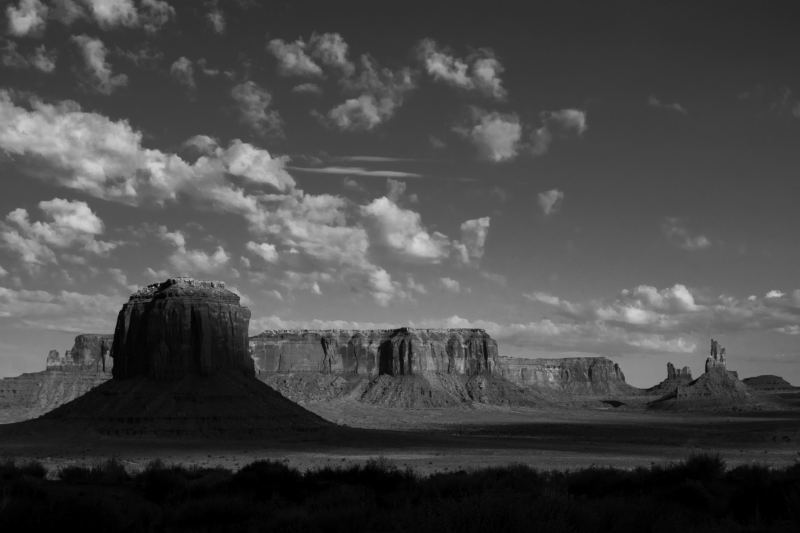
<point x="26" y="18"/>
<point x="677" y="233"/>
<point x="264" y="250"/>
<point x="774" y="293"/>
<point x="85" y="151"/>
<point x="216" y="18"/>
<point x="400" y="230"/>
<point x="331" y="50"/>
<point x="183" y="71"/>
<point x="40" y="58"/>
<point x="94" y="53"/>
<point x="186" y="261"/>
<point x="69" y="228"/>
<point x="561" y="124"/>
<point x="252" y="102"/>
<point x="358" y="171"/>
<point x="67" y="311"/>
<point x="652" y="101"/>
<point x="292" y="58"/>
<point x="479" y="72"/>
<point x="151" y="15"/>
<point x="495" y="135"/>
<point x="381" y="92"/>
<point x="307" y="88"/>
<point x="451" y="285"/>
<point x="550" y="201"/>
<point x="473" y="239"/>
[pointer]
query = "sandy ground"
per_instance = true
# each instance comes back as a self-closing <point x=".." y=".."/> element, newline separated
<point x="437" y="440"/>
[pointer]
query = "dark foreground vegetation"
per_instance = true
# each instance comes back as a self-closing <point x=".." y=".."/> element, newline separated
<point x="699" y="494"/>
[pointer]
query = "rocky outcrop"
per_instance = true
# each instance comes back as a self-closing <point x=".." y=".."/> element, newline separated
<point x="181" y="327"/>
<point x="89" y="351"/>
<point x="675" y="378"/>
<point x="182" y="369"/>
<point x="768" y="383"/>
<point x="396" y="352"/>
<point x="575" y="375"/>
<point x="85" y="365"/>
<point x="717" y="389"/>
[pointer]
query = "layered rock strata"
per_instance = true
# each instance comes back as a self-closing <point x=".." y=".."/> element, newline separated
<point x="182" y="368"/>
<point x="180" y="327"/>
<point x="576" y="375"/>
<point x="89" y="351"/>
<point x="396" y="352"/>
<point x="675" y="378"/>
<point x="768" y="383"/>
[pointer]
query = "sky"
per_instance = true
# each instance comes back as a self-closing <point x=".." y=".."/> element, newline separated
<point x="576" y="178"/>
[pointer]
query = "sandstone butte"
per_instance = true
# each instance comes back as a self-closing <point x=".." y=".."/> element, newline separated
<point x="182" y="368"/>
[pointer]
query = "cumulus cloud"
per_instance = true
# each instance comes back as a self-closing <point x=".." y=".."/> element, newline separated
<point x="652" y="101"/>
<point x="307" y="88"/>
<point x="550" y="201"/>
<point x="264" y="250"/>
<point x="94" y="54"/>
<point x="63" y="310"/>
<point x="380" y="92"/>
<point x="216" y="18"/>
<point x="451" y="285"/>
<point x="292" y="58"/>
<point x="26" y="18"/>
<point x="401" y="231"/>
<point x="187" y="261"/>
<point x="495" y="135"/>
<point x="69" y="230"/>
<point x="150" y="15"/>
<point x="86" y="151"/>
<point x="479" y="72"/>
<point x="676" y="231"/>
<point x="252" y="103"/>
<point x="183" y="71"/>
<point x="561" y="124"/>
<point x="39" y="58"/>
<point x="331" y="50"/>
<point x="473" y="239"/>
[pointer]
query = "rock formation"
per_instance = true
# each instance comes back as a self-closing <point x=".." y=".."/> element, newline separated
<point x="576" y="375"/>
<point x="402" y="351"/>
<point x="675" y="378"/>
<point x="180" y="327"/>
<point x="182" y="368"/>
<point x="86" y="366"/>
<point x="403" y="367"/>
<point x="768" y="383"/>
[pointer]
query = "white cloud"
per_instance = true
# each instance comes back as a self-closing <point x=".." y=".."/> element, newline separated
<point x="183" y="71"/>
<point x="252" y="102"/>
<point x="677" y="233"/>
<point x="381" y="92"/>
<point x="217" y="20"/>
<point x="561" y="124"/>
<point x="473" y="238"/>
<point x="401" y="231"/>
<point x="264" y="250"/>
<point x="151" y="15"/>
<point x="187" y="261"/>
<point x="307" y="88"/>
<point x="550" y="201"/>
<point x="91" y="153"/>
<point x="27" y="17"/>
<point x="332" y="51"/>
<point x="774" y="293"/>
<point x="40" y="58"/>
<point x="495" y="135"/>
<point x="480" y="72"/>
<point x="652" y="101"/>
<point x="70" y="227"/>
<point x="358" y="171"/>
<point x="451" y="285"/>
<point x="60" y="311"/>
<point x="94" y="55"/>
<point x="292" y="58"/>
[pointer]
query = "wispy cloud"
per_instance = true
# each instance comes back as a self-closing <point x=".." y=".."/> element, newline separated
<point x="357" y="171"/>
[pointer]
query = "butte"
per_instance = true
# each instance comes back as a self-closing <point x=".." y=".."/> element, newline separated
<point x="182" y="369"/>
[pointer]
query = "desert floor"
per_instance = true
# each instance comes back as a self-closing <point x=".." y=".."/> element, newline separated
<point x="433" y="440"/>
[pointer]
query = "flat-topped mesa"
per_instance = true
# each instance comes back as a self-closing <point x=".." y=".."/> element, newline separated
<point x="584" y="375"/>
<point x="396" y="352"/>
<point x="181" y="327"/>
<point x="684" y="374"/>
<point x="89" y="351"/>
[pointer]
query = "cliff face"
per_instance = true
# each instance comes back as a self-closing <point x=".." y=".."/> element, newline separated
<point x="181" y="327"/>
<point x="83" y="367"/>
<point x="675" y="378"/>
<point x="90" y="351"/>
<point x="577" y="375"/>
<point x="395" y="352"/>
